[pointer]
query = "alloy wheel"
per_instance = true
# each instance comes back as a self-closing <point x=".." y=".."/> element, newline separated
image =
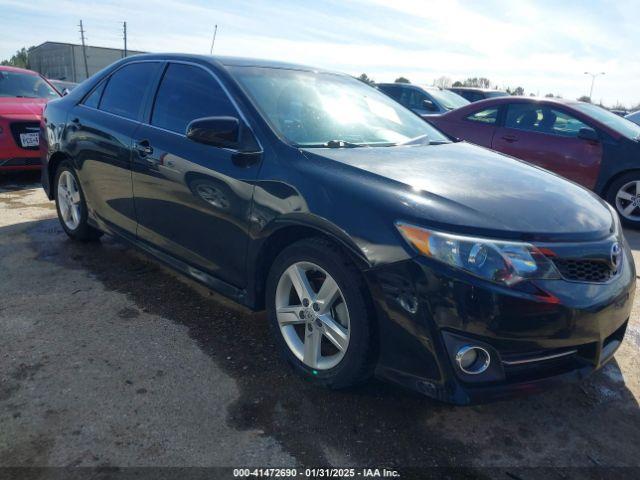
<point x="312" y="315"/>
<point x="628" y="200"/>
<point x="69" y="200"/>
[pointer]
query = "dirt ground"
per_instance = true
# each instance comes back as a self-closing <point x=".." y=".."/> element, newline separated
<point x="109" y="359"/>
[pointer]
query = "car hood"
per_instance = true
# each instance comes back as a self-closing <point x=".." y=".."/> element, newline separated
<point x="22" y="106"/>
<point x="465" y="188"/>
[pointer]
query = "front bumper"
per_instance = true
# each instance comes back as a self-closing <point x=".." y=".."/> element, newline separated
<point x="12" y="155"/>
<point x="426" y="311"/>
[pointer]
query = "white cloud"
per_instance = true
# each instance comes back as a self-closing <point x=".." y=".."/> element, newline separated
<point x="542" y="46"/>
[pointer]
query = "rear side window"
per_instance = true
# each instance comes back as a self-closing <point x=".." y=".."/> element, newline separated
<point x="542" y="119"/>
<point x="488" y="116"/>
<point x="125" y="90"/>
<point x="187" y="93"/>
<point x="392" y="91"/>
<point x="93" y="100"/>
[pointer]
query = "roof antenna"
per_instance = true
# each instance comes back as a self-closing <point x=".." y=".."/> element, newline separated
<point x="215" y="30"/>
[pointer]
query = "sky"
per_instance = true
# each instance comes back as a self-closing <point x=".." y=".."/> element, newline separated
<point x="543" y="46"/>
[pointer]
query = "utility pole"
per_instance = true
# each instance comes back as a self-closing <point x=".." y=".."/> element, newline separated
<point x="593" y="79"/>
<point x="84" y="50"/>
<point x="215" y="30"/>
<point x="124" y="31"/>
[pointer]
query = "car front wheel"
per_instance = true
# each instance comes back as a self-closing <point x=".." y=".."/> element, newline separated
<point x="624" y="195"/>
<point x="319" y="313"/>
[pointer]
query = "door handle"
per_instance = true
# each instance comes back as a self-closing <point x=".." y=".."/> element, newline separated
<point x="143" y="148"/>
<point x="509" y="138"/>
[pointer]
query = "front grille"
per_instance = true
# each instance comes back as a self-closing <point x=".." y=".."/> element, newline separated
<point x="24" y="127"/>
<point x="584" y="270"/>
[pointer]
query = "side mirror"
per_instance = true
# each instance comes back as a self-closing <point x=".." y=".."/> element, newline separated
<point x="65" y="92"/>
<point x="216" y="131"/>
<point x="586" y="133"/>
<point x="429" y="105"/>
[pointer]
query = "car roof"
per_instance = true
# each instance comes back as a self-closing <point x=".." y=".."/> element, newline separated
<point x="476" y="89"/>
<point x="7" y="68"/>
<point x="523" y="99"/>
<point x="225" y="61"/>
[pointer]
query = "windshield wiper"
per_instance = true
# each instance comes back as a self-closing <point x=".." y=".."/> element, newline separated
<point x="341" y="144"/>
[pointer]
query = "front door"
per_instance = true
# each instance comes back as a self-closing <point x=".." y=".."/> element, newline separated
<point x="192" y="200"/>
<point x="548" y="137"/>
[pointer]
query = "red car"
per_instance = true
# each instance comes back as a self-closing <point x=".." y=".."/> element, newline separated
<point x="23" y="94"/>
<point x="580" y="141"/>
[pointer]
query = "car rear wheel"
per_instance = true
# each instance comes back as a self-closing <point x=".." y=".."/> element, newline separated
<point x="624" y="195"/>
<point x="71" y="205"/>
<point x="318" y="311"/>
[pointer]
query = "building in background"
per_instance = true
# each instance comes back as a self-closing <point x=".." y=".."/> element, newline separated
<point x="64" y="61"/>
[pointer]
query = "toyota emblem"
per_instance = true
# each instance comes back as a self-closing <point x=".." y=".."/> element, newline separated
<point x="616" y="255"/>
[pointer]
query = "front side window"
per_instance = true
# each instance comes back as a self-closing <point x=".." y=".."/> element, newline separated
<point x="542" y="119"/>
<point x="186" y="93"/>
<point x="125" y="91"/>
<point x="24" y="85"/>
<point x="488" y="116"/>
<point x="393" y="91"/>
<point x="312" y="109"/>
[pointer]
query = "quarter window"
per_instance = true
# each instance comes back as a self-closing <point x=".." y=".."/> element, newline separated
<point x="542" y="119"/>
<point x="488" y="116"/>
<point x="93" y="100"/>
<point x="125" y="91"/>
<point x="187" y="93"/>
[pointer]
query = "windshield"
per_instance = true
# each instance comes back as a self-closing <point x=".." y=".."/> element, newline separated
<point x="447" y="99"/>
<point x="313" y="109"/>
<point x="611" y="120"/>
<point x="24" y="85"/>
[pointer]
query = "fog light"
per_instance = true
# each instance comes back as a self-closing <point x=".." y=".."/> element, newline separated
<point x="473" y="359"/>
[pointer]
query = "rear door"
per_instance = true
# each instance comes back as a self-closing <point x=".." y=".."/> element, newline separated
<point x="192" y="200"/>
<point x="547" y="136"/>
<point x="99" y="135"/>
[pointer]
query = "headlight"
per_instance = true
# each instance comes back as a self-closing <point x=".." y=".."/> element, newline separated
<point x="495" y="260"/>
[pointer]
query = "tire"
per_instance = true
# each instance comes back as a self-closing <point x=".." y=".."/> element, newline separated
<point x="339" y="368"/>
<point x="625" y="186"/>
<point x="71" y="205"/>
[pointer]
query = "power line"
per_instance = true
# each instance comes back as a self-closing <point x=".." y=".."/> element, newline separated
<point x="84" y="50"/>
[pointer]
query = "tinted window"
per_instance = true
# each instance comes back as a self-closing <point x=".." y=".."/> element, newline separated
<point x="187" y="93"/>
<point x="125" y="90"/>
<point x="542" y="119"/>
<point x="93" y="100"/>
<point x="393" y="91"/>
<point x="413" y="98"/>
<point x="488" y="115"/>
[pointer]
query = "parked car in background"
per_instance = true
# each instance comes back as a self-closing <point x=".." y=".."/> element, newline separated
<point x="23" y="93"/>
<point x="475" y="94"/>
<point x="619" y="112"/>
<point x="421" y="99"/>
<point x="375" y="243"/>
<point x="634" y="117"/>
<point x="580" y="141"/>
<point x="63" y="86"/>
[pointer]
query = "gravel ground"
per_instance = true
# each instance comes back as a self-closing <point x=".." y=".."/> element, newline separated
<point x="109" y="359"/>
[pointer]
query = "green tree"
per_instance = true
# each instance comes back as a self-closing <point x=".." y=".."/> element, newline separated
<point x="477" y="82"/>
<point x="19" y="59"/>
<point x="457" y="83"/>
<point x="584" y="98"/>
<point x="402" y="80"/>
<point x="366" y="79"/>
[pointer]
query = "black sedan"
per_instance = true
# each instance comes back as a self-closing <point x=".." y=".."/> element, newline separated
<point x="376" y="245"/>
